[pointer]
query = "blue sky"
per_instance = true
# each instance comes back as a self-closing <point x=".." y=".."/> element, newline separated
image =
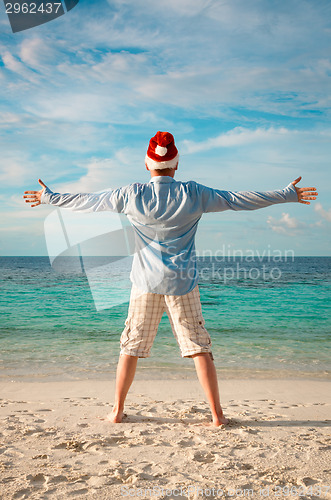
<point x="245" y="87"/>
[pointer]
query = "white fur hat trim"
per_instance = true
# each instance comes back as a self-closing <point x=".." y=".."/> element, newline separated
<point x="160" y="165"/>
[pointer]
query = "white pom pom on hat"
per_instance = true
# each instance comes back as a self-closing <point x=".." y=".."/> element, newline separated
<point x="162" y="152"/>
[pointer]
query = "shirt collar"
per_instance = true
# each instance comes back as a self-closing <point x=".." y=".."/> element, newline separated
<point x="163" y="179"/>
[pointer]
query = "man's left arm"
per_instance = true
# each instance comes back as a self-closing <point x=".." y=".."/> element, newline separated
<point x="252" y="200"/>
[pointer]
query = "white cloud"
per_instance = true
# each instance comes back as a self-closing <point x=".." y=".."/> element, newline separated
<point x="8" y="118"/>
<point x="36" y="53"/>
<point x="20" y="170"/>
<point x="285" y="225"/>
<point x="236" y="137"/>
<point x="70" y="106"/>
<point x="185" y="8"/>
<point x="108" y="173"/>
<point x="326" y="214"/>
<point x="115" y="66"/>
<point x="13" y="171"/>
<point x="16" y="66"/>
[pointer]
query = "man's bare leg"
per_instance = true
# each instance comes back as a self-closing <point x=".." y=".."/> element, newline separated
<point x="125" y="373"/>
<point x="207" y="376"/>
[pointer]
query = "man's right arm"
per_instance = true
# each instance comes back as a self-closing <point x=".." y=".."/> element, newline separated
<point x="114" y="200"/>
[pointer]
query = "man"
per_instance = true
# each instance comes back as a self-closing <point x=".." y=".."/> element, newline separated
<point x="164" y="215"/>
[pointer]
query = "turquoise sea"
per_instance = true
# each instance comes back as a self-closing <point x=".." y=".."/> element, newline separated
<point x="266" y="317"/>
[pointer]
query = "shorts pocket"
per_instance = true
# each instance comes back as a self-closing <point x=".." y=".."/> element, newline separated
<point x="193" y="329"/>
<point x="203" y="336"/>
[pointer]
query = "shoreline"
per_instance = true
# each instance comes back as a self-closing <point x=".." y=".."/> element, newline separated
<point x="168" y="373"/>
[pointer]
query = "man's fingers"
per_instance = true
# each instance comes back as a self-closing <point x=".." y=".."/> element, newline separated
<point x="41" y="183"/>
<point x="305" y="193"/>
<point x="296" y="180"/>
<point x="308" y="193"/>
<point x="36" y="204"/>
<point x="31" y="192"/>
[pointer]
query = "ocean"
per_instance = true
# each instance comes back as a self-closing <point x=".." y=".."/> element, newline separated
<point x="267" y="318"/>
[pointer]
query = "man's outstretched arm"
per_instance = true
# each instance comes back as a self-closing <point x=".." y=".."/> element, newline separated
<point x="113" y="200"/>
<point x="214" y="200"/>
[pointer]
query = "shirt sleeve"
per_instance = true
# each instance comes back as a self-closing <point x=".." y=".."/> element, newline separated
<point x="112" y="200"/>
<point x="214" y="200"/>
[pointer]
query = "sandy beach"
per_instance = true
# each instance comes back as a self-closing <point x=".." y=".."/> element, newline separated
<point x="55" y="443"/>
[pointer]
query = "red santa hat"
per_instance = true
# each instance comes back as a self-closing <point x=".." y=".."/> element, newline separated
<point x="162" y="152"/>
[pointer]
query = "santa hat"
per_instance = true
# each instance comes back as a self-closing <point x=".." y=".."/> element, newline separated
<point x="162" y="152"/>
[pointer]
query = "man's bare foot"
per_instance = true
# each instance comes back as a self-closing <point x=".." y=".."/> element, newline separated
<point x="116" y="416"/>
<point x="220" y="420"/>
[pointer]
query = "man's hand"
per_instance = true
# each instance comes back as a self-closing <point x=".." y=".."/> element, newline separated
<point x="34" y="196"/>
<point x="304" y="193"/>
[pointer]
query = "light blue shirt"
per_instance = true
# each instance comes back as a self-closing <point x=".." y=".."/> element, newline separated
<point x="164" y="215"/>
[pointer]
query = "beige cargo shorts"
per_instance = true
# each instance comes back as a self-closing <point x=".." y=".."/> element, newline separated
<point x="185" y="316"/>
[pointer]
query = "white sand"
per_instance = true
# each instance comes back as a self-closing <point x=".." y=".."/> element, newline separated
<point x="54" y="444"/>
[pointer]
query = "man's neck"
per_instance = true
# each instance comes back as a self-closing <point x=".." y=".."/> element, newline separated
<point x="168" y="172"/>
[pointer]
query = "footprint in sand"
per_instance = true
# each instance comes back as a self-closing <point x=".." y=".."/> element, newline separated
<point x="94" y="447"/>
<point x="50" y="431"/>
<point x="24" y="493"/>
<point x="32" y="430"/>
<point x="42" y="457"/>
<point x="57" y="479"/>
<point x="37" y="479"/>
<point x="324" y="448"/>
<point x="307" y="481"/>
<point x="248" y="430"/>
<point x="204" y="457"/>
<point x="11" y="452"/>
<point x="8" y="479"/>
<point x="185" y="443"/>
<point x="72" y="445"/>
<point x="78" y="493"/>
